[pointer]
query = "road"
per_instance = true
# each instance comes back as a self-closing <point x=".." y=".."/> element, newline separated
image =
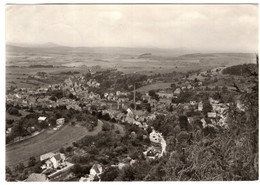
<point x="47" y="141"/>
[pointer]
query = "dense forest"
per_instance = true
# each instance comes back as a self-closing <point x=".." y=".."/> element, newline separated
<point x="240" y="70"/>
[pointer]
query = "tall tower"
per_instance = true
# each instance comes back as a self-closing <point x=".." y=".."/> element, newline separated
<point x="134" y="97"/>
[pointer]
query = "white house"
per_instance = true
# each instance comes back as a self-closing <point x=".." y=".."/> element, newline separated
<point x="212" y="114"/>
<point x="177" y="91"/>
<point x="42" y="118"/>
<point x="95" y="171"/>
<point x="57" y="160"/>
<point x="60" y="121"/>
<point x="155" y="137"/>
<point x="200" y="106"/>
<point x="46" y="156"/>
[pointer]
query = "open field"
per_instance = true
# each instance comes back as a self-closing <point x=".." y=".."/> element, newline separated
<point x="128" y="60"/>
<point x="18" y="76"/>
<point x="48" y="141"/>
<point x="154" y="87"/>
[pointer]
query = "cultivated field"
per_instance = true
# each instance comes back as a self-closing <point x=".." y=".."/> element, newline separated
<point x="19" y="76"/>
<point x="48" y="141"/>
<point x="154" y="87"/>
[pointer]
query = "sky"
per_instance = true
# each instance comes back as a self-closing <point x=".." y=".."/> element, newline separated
<point x="199" y="27"/>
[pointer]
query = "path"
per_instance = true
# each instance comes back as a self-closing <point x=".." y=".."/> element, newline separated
<point x="46" y="142"/>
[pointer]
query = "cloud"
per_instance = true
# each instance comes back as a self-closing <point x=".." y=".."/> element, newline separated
<point x="201" y="27"/>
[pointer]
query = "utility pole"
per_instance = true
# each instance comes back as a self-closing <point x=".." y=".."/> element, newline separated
<point x="134" y="98"/>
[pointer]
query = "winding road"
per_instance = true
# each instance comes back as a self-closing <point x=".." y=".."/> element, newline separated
<point x="48" y="141"/>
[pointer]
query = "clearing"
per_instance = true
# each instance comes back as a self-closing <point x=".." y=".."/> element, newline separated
<point x="154" y="87"/>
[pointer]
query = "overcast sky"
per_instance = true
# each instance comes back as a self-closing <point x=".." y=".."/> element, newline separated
<point x="200" y="27"/>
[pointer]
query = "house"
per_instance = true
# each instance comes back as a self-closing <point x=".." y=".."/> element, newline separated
<point x="204" y="123"/>
<point x="138" y="102"/>
<point x="186" y="106"/>
<point x="60" y="121"/>
<point x="152" y="152"/>
<point x="37" y="177"/>
<point x="155" y="137"/>
<point x="9" y="130"/>
<point x="212" y="114"/>
<point x="177" y="91"/>
<point x="96" y="169"/>
<point x="84" y="179"/>
<point x="46" y="156"/>
<point x="95" y="172"/>
<point x="42" y="118"/>
<point x="56" y="161"/>
<point x="130" y="113"/>
<point x="200" y="106"/>
<point x="139" y="124"/>
<point x="193" y="102"/>
<point x="212" y="101"/>
<point x="163" y="94"/>
<point x="189" y="86"/>
<point x="240" y="105"/>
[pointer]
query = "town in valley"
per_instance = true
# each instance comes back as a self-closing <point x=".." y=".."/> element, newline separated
<point x="130" y="114"/>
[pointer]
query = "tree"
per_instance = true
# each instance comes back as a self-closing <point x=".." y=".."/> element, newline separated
<point x="20" y="167"/>
<point x="8" y="170"/>
<point x="62" y="150"/>
<point x="184" y="123"/>
<point x="224" y="89"/>
<point x="106" y="117"/>
<point x="170" y="108"/>
<point x="106" y="126"/>
<point x="109" y="174"/>
<point x="19" y="130"/>
<point x="126" y="174"/>
<point x="32" y="161"/>
<point x="173" y="86"/>
<point x="77" y="170"/>
<point x="69" y="149"/>
<point x="207" y="107"/>
<point x="141" y="169"/>
<point x="153" y="94"/>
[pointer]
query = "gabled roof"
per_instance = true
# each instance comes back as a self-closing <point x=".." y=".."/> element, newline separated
<point x="58" y="156"/>
<point x="98" y="168"/>
<point x="41" y="118"/>
<point x="46" y="156"/>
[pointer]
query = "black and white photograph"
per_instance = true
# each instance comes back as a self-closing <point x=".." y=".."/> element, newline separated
<point x="131" y="92"/>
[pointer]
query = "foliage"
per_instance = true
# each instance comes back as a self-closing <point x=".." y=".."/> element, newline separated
<point x="110" y="174"/>
<point x="32" y="161"/>
<point x="238" y="69"/>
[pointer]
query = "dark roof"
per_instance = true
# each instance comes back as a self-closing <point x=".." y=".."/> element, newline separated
<point x="57" y="157"/>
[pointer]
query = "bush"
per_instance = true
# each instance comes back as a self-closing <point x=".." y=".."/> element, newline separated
<point x="32" y="161"/>
<point x="69" y="149"/>
<point x="110" y="174"/>
<point x="13" y="111"/>
<point x="62" y="150"/>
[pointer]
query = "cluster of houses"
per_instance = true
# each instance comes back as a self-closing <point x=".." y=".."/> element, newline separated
<point x="114" y="103"/>
<point x="54" y="166"/>
<point x="158" y="146"/>
<point x="94" y="175"/>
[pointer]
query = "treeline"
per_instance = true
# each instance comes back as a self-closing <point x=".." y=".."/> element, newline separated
<point x="240" y="70"/>
<point x="41" y="66"/>
<point x="70" y="72"/>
